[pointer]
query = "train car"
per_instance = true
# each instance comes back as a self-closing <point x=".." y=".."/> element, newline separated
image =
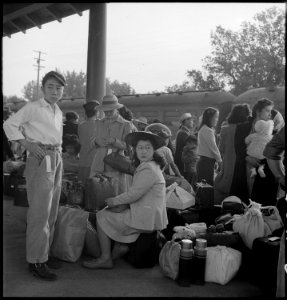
<point x="276" y="94"/>
<point x="166" y="107"/>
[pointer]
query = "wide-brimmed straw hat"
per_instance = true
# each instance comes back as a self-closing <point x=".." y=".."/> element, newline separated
<point x="133" y="138"/>
<point x="159" y="129"/>
<point x="109" y="102"/>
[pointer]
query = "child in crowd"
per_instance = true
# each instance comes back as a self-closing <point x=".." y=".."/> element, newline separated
<point x="71" y="156"/>
<point x="189" y="158"/>
<point x="256" y="143"/>
<point x="164" y="132"/>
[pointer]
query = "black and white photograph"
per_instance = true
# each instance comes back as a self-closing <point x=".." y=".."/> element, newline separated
<point x="144" y="149"/>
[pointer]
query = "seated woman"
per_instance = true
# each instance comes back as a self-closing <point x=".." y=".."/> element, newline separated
<point x="144" y="202"/>
<point x="71" y="156"/>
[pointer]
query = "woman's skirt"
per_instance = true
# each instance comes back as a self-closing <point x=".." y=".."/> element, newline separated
<point x="205" y="169"/>
<point x="115" y="227"/>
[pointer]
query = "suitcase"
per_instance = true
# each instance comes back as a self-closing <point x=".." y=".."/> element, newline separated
<point x="190" y="215"/>
<point x="144" y="252"/>
<point x="7" y="188"/>
<point x="265" y="254"/>
<point x="204" y="197"/>
<point x="97" y="190"/>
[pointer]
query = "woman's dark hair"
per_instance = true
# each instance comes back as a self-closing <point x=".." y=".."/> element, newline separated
<point x="160" y="160"/>
<point x="72" y="140"/>
<point x="239" y="113"/>
<point x="207" y="115"/>
<point x="260" y="105"/>
<point x="126" y="113"/>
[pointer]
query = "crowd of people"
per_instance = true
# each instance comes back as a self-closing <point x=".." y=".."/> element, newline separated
<point x="245" y="159"/>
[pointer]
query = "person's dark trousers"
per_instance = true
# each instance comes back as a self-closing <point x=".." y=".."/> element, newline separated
<point x="205" y="169"/>
<point x="191" y="177"/>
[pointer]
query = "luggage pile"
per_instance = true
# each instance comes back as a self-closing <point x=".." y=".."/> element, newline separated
<point x="14" y="183"/>
<point x="236" y="236"/>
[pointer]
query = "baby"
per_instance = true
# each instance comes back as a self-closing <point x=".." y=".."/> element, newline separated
<point x="257" y="141"/>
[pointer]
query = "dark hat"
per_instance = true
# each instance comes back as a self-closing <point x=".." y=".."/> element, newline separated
<point x="90" y="105"/>
<point x="159" y="129"/>
<point x="109" y="102"/>
<point x="55" y="75"/>
<point x="133" y="138"/>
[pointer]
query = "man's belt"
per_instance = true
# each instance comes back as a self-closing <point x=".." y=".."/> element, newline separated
<point x="50" y="147"/>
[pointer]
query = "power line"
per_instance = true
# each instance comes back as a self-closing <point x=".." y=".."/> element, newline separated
<point x="38" y="59"/>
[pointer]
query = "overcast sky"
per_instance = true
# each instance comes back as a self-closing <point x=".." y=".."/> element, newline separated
<point x="149" y="45"/>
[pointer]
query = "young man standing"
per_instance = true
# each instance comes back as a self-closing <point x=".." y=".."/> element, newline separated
<point x="37" y="126"/>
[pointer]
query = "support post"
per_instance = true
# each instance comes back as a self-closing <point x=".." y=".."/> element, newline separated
<point x="96" y="64"/>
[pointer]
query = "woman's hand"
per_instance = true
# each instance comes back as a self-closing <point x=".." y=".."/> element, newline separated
<point x="253" y="161"/>
<point x="109" y="141"/>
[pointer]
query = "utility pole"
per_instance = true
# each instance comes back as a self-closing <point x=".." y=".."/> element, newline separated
<point x="38" y="59"/>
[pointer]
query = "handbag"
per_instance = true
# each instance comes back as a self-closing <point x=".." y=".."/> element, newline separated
<point x="222" y="264"/>
<point x="97" y="190"/>
<point x="271" y="218"/>
<point x="70" y="232"/>
<point x="169" y="259"/>
<point x="120" y="163"/>
<point x="178" y="198"/>
<point x="250" y="225"/>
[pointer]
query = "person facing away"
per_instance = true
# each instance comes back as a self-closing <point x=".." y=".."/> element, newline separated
<point x="127" y="115"/>
<point x="185" y="129"/>
<point x="164" y="132"/>
<point x="256" y="143"/>
<point x="143" y="206"/>
<point x="207" y="148"/>
<point x="86" y="131"/>
<point x="70" y="125"/>
<point x="71" y="156"/>
<point x="189" y="158"/>
<point x="222" y="182"/>
<point x="37" y="126"/>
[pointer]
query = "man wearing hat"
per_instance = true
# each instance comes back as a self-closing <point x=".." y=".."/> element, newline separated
<point x="185" y="129"/>
<point x="37" y="126"/>
<point x="109" y="136"/>
<point x="86" y="131"/>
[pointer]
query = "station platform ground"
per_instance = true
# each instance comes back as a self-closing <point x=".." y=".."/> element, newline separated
<point x="75" y="281"/>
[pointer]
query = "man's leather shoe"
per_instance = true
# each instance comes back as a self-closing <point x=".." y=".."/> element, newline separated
<point x="53" y="263"/>
<point x="41" y="271"/>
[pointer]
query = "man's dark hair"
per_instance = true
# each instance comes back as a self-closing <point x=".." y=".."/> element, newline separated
<point x="71" y="115"/>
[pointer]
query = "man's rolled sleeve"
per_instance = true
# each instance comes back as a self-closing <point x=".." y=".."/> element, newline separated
<point x="12" y="126"/>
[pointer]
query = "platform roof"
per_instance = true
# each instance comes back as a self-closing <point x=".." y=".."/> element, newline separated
<point x="19" y="17"/>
